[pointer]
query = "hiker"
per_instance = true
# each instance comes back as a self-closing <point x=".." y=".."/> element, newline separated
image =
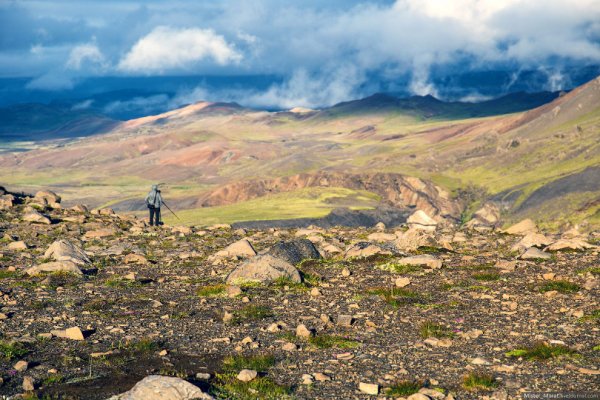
<point x="154" y="201"/>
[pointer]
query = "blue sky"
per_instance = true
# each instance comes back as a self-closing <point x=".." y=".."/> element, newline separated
<point x="325" y="51"/>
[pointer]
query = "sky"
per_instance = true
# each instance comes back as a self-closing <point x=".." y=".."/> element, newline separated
<point x="323" y="51"/>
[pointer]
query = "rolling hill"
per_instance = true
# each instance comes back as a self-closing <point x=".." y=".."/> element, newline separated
<point x="541" y="163"/>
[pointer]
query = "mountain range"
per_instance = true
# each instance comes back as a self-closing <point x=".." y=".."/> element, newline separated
<point x="218" y="159"/>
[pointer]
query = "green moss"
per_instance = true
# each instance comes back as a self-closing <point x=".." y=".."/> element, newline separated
<point x="429" y="329"/>
<point x="329" y="341"/>
<point x="541" y="351"/>
<point x="12" y="350"/>
<point x="404" y="388"/>
<point x="257" y="362"/>
<point x="227" y="386"/>
<point x="560" y="286"/>
<point x="251" y="313"/>
<point x="216" y="290"/>
<point x="478" y="381"/>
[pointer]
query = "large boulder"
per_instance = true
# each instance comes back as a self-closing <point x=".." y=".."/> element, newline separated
<point x="241" y="248"/>
<point x="294" y="251"/>
<point x="36" y="218"/>
<point x="47" y="198"/>
<point x="264" y="268"/>
<point x="54" y="266"/>
<point x="522" y="228"/>
<point x="421" y="221"/>
<point x="531" y="240"/>
<point x="63" y="250"/>
<point x="157" y="387"/>
<point x="570" y="244"/>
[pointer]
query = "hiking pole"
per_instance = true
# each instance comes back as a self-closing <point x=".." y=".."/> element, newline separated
<point x="168" y="208"/>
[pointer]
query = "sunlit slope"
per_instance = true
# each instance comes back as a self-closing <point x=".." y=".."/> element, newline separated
<point x="205" y="146"/>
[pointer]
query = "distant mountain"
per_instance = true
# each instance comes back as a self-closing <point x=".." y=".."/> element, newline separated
<point x="430" y="107"/>
<point x="34" y="121"/>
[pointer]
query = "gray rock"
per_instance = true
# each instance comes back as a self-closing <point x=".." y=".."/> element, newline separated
<point x="264" y="268"/>
<point x="294" y="251"/>
<point x="63" y="250"/>
<point x="54" y="266"/>
<point x="534" y="253"/>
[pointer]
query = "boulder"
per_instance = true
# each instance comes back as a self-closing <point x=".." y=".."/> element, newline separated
<point x="74" y="333"/>
<point x="412" y="239"/>
<point x="294" y="251"/>
<point x="241" y="248"/>
<point x="47" y="197"/>
<point x="81" y="208"/>
<point x="380" y="226"/>
<point x="534" y="253"/>
<point x="364" y="249"/>
<point x="54" y="266"/>
<point x="7" y="201"/>
<point x="381" y="237"/>
<point x="156" y="387"/>
<point x="421" y="221"/>
<point x="488" y="215"/>
<point x="570" y="244"/>
<point x="531" y="240"/>
<point x="18" y="245"/>
<point x="425" y="260"/>
<point x="522" y="228"/>
<point x="63" y="250"/>
<point x="99" y="233"/>
<point x="264" y="268"/>
<point x="36" y="218"/>
<point x="246" y="375"/>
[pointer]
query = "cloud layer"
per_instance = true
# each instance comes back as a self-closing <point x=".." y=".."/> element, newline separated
<point x="172" y="49"/>
<point x="325" y="52"/>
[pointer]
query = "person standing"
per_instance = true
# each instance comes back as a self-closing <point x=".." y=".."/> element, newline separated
<point x="154" y="201"/>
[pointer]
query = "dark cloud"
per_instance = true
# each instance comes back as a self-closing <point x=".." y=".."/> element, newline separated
<point x="326" y="51"/>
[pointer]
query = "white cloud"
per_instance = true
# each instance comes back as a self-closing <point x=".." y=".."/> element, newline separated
<point x="83" y="53"/>
<point x="167" y="48"/>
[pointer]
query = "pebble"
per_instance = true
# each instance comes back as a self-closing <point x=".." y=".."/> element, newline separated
<point x="321" y="377"/>
<point x="28" y="384"/>
<point x="344" y="320"/>
<point x="246" y="375"/>
<point x="369" y="388"/>
<point x="21" y="366"/>
<point x="402" y="282"/>
<point x="303" y="331"/>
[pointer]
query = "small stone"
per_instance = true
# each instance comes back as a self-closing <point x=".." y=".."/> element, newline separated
<point x="246" y="375"/>
<point x="289" y="347"/>
<point x="163" y="353"/>
<point x="203" y="376"/>
<point x="369" y="388"/>
<point x="307" y="379"/>
<point x="346" y="272"/>
<point x="73" y="333"/>
<point x="549" y="276"/>
<point x="315" y="292"/>
<point x="402" y="282"/>
<point x="480" y="361"/>
<point x="227" y="316"/>
<point x="233" y="291"/>
<point x="344" y="320"/>
<point x="321" y="377"/>
<point x="325" y="318"/>
<point x="273" y="328"/>
<point x="247" y="340"/>
<point x="418" y="396"/>
<point x="28" y="384"/>
<point x="21" y="366"/>
<point x="303" y="331"/>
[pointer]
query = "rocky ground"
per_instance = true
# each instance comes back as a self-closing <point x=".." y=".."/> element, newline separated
<point x="427" y="309"/>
